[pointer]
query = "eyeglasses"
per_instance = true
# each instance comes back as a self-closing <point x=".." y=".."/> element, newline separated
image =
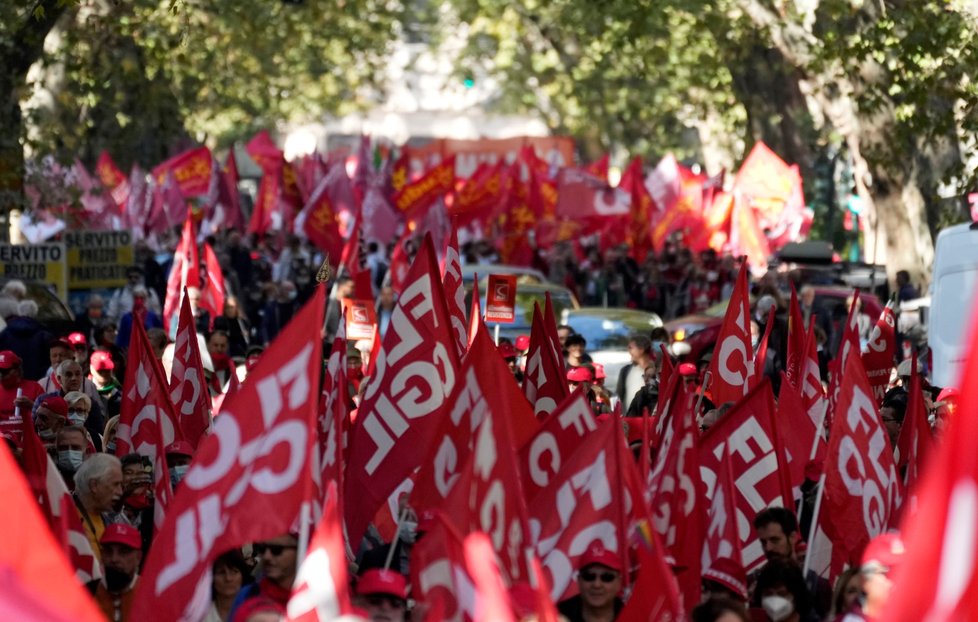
<point x="589" y="576"/>
<point x="274" y="549"/>
<point x="378" y="600"/>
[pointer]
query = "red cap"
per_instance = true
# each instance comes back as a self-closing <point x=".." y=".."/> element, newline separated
<point x="687" y="369"/>
<point x="61" y="342"/>
<point x="579" y="374"/>
<point x="119" y="533"/>
<point x="102" y="361"/>
<point x="506" y="350"/>
<point x="948" y="394"/>
<point x="180" y="448"/>
<point x="597" y="554"/>
<point x="56" y="404"/>
<point x="885" y="550"/>
<point x="598" y="371"/>
<point x="77" y="339"/>
<point x="378" y="581"/>
<point x="729" y="574"/>
<point x="9" y="359"/>
<point x="523" y="598"/>
<point x="523" y="343"/>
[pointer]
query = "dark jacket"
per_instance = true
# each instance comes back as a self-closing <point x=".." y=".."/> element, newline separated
<point x="29" y="340"/>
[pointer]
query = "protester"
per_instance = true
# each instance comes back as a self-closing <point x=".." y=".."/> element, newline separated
<point x="231" y="574"/>
<point x="576" y="354"/>
<point x="92" y="318"/>
<point x="342" y="290"/>
<point x="382" y="594"/>
<point x="25" y="336"/>
<point x="68" y="378"/>
<point x="236" y="326"/>
<point x="777" y="530"/>
<point x="279" y="312"/>
<point x="123" y="299"/>
<point x="782" y="593"/>
<point x="98" y="487"/>
<point x="179" y="455"/>
<point x="847" y="593"/>
<point x="882" y="556"/>
<point x="278" y="568"/>
<point x="719" y="609"/>
<point x="12" y="383"/>
<point x="140" y="309"/>
<point x="72" y="447"/>
<point x="121" y="548"/>
<point x="631" y="377"/>
<point x="599" y="583"/>
<point x="50" y="415"/>
<point x="102" y="375"/>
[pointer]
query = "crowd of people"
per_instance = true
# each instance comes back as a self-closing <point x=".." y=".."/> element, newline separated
<point x="72" y="384"/>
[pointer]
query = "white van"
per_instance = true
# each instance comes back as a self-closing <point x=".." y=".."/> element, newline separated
<point x="952" y="302"/>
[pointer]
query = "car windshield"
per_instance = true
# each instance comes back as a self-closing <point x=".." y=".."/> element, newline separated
<point x="609" y="334"/>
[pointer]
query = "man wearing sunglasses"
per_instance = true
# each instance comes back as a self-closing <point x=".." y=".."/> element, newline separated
<point x="382" y="595"/>
<point x="278" y="567"/>
<point x="599" y="581"/>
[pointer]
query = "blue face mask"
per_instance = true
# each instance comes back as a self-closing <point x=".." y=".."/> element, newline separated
<point x="70" y="459"/>
<point x="110" y="447"/>
<point x="76" y="417"/>
<point x="177" y="473"/>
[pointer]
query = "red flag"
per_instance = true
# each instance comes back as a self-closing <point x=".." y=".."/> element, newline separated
<point x="333" y="419"/>
<point x="475" y="313"/>
<point x="380" y="219"/>
<point x="733" y="364"/>
<point x="722" y="559"/>
<point x="31" y="556"/>
<point x="484" y="385"/>
<point x="440" y="580"/>
<point x="558" y="436"/>
<point x="878" y="359"/>
<point x="249" y="477"/>
<point x="937" y="578"/>
<point x="594" y="497"/>
<point x="797" y="340"/>
<point x="321" y="592"/>
<point x="265" y="203"/>
<point x="760" y="357"/>
<point x="746" y="236"/>
<point x="664" y="184"/>
<point x="488" y="495"/>
<point x="481" y="195"/>
<point x="136" y="213"/>
<point x="798" y="432"/>
<point x="184" y="273"/>
<point x="761" y="474"/>
<point x="455" y="292"/>
<point x="861" y="487"/>
<point x="581" y="195"/>
<point x="415" y="373"/>
<point x="638" y="232"/>
<point x="146" y="405"/>
<point x="599" y="168"/>
<point x="544" y="384"/>
<point x="916" y="439"/>
<point x="113" y="179"/>
<point x="188" y="386"/>
<point x="418" y="196"/>
<point x="849" y="345"/>
<point x="233" y="216"/>
<point x="771" y="189"/>
<point x="810" y="383"/>
<point x="351" y="259"/>
<point x="70" y="532"/>
<point x="169" y="206"/>
<point x="264" y="151"/>
<point x="212" y="293"/>
<point x="655" y="596"/>
<point x="191" y="170"/>
<point x="550" y="323"/>
<point x="491" y="598"/>
<point x="320" y="216"/>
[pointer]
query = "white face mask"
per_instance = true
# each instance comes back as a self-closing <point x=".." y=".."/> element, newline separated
<point x="777" y="607"/>
<point x="70" y="459"/>
<point x="76" y="417"/>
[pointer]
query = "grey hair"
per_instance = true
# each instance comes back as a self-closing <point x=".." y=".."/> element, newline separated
<point x="15" y="289"/>
<point x="92" y="470"/>
<point x="65" y="364"/>
<point x="73" y="397"/>
<point x="27" y="308"/>
<point x="8" y="306"/>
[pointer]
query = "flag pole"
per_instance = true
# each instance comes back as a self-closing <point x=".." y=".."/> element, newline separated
<point x="397" y="536"/>
<point x="813" y="526"/>
<point x="303" y="545"/>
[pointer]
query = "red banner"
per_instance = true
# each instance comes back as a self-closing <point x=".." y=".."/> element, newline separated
<point x="415" y="374"/>
<point x="417" y="196"/>
<point x="733" y="360"/>
<point x="878" y="358"/>
<point x="862" y="488"/>
<point x="582" y="195"/>
<point x="749" y="431"/>
<point x="191" y="170"/>
<point x="556" y="440"/>
<point x="188" y="387"/>
<point x="722" y="559"/>
<point x="544" y="382"/>
<point x="248" y="478"/>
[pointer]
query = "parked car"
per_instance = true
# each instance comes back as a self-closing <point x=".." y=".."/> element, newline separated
<point x="696" y="334"/>
<point x="607" y="332"/>
<point x="526" y="294"/>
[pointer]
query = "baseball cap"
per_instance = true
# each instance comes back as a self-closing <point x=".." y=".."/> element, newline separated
<point x="179" y="448"/>
<point x="77" y="339"/>
<point x="379" y="581"/>
<point x="61" y="342"/>
<point x="579" y="374"/>
<point x="729" y="574"/>
<point x="56" y="404"/>
<point x="118" y="533"/>
<point x="506" y="350"/>
<point x="598" y="371"/>
<point x="102" y="361"/>
<point x="523" y="343"/>
<point x="9" y="359"/>
<point x="687" y="369"/>
<point x="885" y="550"/>
<point x="598" y="554"/>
